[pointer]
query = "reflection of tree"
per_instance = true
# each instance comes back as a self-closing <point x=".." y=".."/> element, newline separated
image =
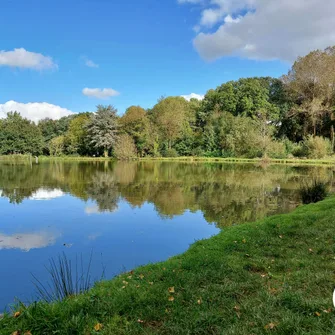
<point x="226" y="194"/>
<point x="103" y="190"/>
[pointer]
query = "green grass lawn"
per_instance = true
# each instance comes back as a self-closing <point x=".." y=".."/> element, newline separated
<point x="275" y="276"/>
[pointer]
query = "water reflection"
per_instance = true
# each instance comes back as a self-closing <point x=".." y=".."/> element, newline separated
<point x="26" y="241"/>
<point x="44" y="194"/>
<point x="226" y="194"/>
<point x="148" y="211"/>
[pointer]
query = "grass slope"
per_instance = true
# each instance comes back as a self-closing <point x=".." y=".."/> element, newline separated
<point x="275" y="276"/>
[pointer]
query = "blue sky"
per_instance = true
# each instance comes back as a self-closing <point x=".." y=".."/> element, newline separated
<point x="142" y="49"/>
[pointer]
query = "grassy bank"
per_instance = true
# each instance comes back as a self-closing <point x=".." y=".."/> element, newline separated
<point x="291" y="161"/>
<point x="273" y="276"/>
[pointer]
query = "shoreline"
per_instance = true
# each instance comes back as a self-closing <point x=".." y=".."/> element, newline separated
<point x="275" y="274"/>
<point x="187" y="159"/>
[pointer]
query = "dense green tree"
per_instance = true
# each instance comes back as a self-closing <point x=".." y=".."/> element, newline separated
<point x="19" y="136"/>
<point x="135" y="123"/>
<point x="57" y="146"/>
<point x="76" y="137"/>
<point x="103" y="128"/>
<point x="170" y="115"/>
<point x="125" y="147"/>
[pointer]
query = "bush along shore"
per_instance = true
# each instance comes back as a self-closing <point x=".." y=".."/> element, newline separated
<point x="272" y="276"/>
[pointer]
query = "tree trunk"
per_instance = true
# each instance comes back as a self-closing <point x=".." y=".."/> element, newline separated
<point x="105" y="153"/>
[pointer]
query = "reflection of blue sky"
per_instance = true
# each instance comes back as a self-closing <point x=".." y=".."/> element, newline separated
<point x="120" y="240"/>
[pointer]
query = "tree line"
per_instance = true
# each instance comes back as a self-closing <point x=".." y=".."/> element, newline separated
<point x="292" y="116"/>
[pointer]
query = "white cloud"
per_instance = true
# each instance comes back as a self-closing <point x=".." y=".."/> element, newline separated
<point x="267" y="30"/>
<point x="34" y="111"/>
<point x="193" y="96"/>
<point x="21" y="58"/>
<point x="90" y="63"/>
<point x="44" y="194"/>
<point x="100" y="93"/>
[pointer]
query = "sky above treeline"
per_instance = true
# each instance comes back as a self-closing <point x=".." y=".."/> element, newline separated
<point x="62" y="57"/>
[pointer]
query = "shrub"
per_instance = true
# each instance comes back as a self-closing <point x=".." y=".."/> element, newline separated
<point x="315" y="192"/>
<point x="316" y="147"/>
<point x="198" y="151"/>
<point x="276" y="149"/>
<point x="171" y="153"/>
<point x="125" y="148"/>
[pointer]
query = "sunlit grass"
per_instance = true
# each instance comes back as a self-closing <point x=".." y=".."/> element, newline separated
<point x="274" y="276"/>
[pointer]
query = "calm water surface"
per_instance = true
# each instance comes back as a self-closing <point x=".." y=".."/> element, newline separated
<point x="127" y="214"/>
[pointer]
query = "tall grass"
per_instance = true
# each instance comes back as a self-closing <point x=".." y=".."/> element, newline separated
<point x="17" y="158"/>
<point x="315" y="192"/>
<point x="66" y="279"/>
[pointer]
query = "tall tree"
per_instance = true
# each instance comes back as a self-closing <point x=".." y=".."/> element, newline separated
<point x="103" y="128"/>
<point x="312" y="83"/>
<point x="169" y="115"/>
<point x="135" y="123"/>
<point x="76" y="136"/>
<point x="19" y="136"/>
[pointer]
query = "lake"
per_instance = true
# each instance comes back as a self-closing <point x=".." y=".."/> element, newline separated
<point x="127" y="214"/>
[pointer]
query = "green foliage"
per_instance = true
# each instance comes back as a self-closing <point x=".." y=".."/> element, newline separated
<point x="316" y="147"/>
<point x="19" y="136"/>
<point x="170" y="115"/>
<point x="125" y="148"/>
<point x="170" y="153"/>
<point x="248" y="117"/>
<point x="135" y="122"/>
<point x="315" y="192"/>
<point x="57" y="146"/>
<point x="276" y="149"/>
<point x="77" y="135"/>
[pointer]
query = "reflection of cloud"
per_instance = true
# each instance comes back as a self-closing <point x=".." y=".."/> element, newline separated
<point x="92" y="210"/>
<point x="93" y="237"/>
<point x="44" y="194"/>
<point x="96" y="210"/>
<point x="26" y="241"/>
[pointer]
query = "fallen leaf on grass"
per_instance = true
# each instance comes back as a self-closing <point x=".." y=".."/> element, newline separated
<point x="17" y="332"/>
<point x="140" y="321"/>
<point x="244" y="240"/>
<point x="123" y="287"/>
<point x="151" y="282"/>
<point x="317" y="314"/>
<point x="327" y="310"/>
<point x="171" y="298"/>
<point x="310" y="250"/>
<point x="171" y="289"/>
<point x="237" y="308"/>
<point x="125" y="282"/>
<point x="141" y="276"/>
<point x="17" y="314"/>
<point x="199" y="301"/>
<point x="270" y="326"/>
<point x="27" y="333"/>
<point x="280" y="236"/>
<point x="98" y="327"/>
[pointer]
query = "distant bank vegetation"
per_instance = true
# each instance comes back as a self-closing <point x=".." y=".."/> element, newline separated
<point x="252" y="118"/>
